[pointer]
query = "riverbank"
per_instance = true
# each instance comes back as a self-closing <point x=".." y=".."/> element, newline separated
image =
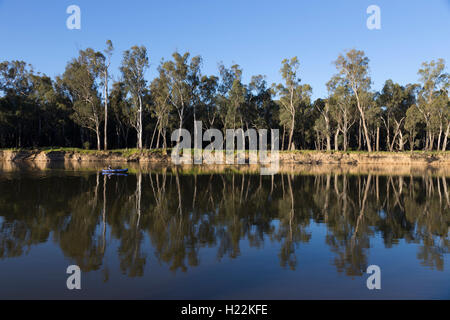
<point x="286" y="157"/>
<point x="82" y="155"/>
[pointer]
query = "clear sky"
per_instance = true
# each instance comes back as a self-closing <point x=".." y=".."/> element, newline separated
<point x="255" y="34"/>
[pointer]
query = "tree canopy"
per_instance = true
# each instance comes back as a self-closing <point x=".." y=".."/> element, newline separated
<point x="84" y="106"/>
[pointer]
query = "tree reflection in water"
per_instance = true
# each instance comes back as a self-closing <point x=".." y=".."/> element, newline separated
<point x="179" y="214"/>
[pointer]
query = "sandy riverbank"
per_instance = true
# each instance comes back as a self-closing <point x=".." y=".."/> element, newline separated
<point x="296" y="157"/>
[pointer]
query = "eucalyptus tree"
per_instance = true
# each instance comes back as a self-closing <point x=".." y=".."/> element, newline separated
<point x="122" y="112"/>
<point x="236" y="100"/>
<point x="292" y="94"/>
<point x="81" y="79"/>
<point x="253" y="111"/>
<point x="373" y="116"/>
<point x="15" y="77"/>
<point x="15" y="83"/>
<point x="320" y="130"/>
<point x="161" y="108"/>
<point x="413" y="122"/>
<point x="342" y="110"/>
<point x="66" y="130"/>
<point x="353" y="69"/>
<point x="231" y="97"/>
<point x="433" y="80"/>
<point x="323" y="124"/>
<point x="262" y="104"/>
<point x="134" y="64"/>
<point x="447" y="130"/>
<point x="443" y="112"/>
<point x="44" y="99"/>
<point x="105" y="74"/>
<point x="208" y="99"/>
<point x="194" y="80"/>
<point x="395" y="100"/>
<point x="182" y="80"/>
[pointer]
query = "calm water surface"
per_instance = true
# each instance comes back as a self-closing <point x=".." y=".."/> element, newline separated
<point x="177" y="234"/>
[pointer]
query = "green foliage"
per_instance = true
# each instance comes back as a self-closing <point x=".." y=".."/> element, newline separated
<point x="134" y="64"/>
<point x="80" y="107"/>
<point x="294" y="97"/>
<point x="81" y="79"/>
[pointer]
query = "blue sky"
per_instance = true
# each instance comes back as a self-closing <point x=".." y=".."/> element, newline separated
<point x="255" y="34"/>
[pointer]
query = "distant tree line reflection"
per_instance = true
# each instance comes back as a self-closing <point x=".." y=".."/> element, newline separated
<point x="171" y="216"/>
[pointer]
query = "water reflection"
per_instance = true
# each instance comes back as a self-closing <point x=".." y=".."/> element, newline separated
<point x="180" y="213"/>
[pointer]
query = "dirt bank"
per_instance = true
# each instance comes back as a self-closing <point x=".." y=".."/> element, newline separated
<point x="438" y="159"/>
<point x="82" y="156"/>
<point x="375" y="158"/>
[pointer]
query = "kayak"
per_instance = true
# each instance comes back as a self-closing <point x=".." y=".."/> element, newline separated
<point x="110" y="171"/>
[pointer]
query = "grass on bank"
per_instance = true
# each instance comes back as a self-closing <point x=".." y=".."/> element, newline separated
<point x="416" y="152"/>
<point x="134" y="151"/>
<point x="123" y="152"/>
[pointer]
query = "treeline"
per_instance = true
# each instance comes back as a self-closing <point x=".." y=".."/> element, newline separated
<point x="84" y="107"/>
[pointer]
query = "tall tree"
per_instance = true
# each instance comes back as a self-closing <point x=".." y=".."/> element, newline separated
<point x="44" y="98"/>
<point x="443" y="110"/>
<point x="134" y="64"/>
<point x="395" y="100"/>
<point x="208" y="99"/>
<point x="16" y="84"/>
<point x="324" y="122"/>
<point x="81" y="78"/>
<point x="263" y="108"/>
<point x="232" y="97"/>
<point x="342" y="110"/>
<point x="292" y="94"/>
<point x="433" y="80"/>
<point x="412" y="122"/>
<point x="353" y="68"/>
<point x="182" y="78"/>
<point x="105" y="72"/>
<point x="122" y="111"/>
<point x="161" y="108"/>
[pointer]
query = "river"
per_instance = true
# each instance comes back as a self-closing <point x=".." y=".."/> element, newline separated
<point x="230" y="233"/>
